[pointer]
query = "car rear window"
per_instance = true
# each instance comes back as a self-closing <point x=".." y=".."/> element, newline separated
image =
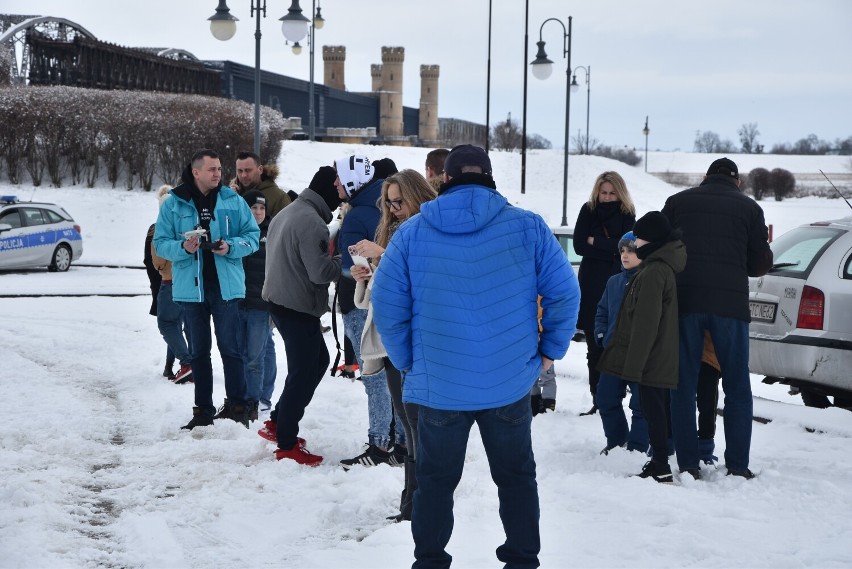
<point x="797" y="251"/>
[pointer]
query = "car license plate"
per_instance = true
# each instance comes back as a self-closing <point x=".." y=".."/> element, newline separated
<point x="762" y="311"/>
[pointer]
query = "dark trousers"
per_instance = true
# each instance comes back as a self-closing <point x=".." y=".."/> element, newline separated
<point x="406" y="412"/>
<point x="708" y="400"/>
<point x="307" y="362"/>
<point x="655" y="407"/>
<point x="593" y="354"/>
<point x="505" y="433"/>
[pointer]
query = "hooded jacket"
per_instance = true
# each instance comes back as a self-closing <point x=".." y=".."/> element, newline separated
<point x="276" y="198"/>
<point x="232" y="221"/>
<point x="299" y="267"/>
<point x="644" y="347"/>
<point x="454" y="299"/>
<point x="726" y="235"/>
<point x="610" y="304"/>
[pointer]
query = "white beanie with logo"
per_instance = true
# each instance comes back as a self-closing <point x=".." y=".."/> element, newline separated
<point x="354" y="171"/>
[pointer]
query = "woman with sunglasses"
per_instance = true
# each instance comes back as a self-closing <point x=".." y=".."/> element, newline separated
<point x="402" y="195"/>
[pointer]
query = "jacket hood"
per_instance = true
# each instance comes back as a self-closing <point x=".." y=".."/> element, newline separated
<point x="672" y="253"/>
<point x="270" y="173"/>
<point x="463" y="209"/>
<point x="368" y="194"/>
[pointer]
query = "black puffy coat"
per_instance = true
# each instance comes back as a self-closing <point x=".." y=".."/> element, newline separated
<point x="254" y="266"/>
<point x="606" y="223"/>
<point x="727" y="240"/>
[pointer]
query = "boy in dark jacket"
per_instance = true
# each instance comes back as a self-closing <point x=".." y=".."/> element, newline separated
<point x="644" y="348"/>
<point x="612" y="389"/>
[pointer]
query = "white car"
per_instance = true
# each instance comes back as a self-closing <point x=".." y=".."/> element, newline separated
<point x="37" y="235"/>
<point x="801" y="314"/>
<point x="565" y="236"/>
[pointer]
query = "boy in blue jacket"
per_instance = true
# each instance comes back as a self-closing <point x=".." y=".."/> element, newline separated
<point x="612" y="389"/>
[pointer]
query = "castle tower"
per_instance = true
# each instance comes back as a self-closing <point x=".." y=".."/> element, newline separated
<point x="376" y="74"/>
<point x="334" y="57"/>
<point x="428" y="127"/>
<point x="390" y="98"/>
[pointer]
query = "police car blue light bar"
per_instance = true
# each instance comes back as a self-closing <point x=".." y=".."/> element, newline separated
<point x="8" y="199"/>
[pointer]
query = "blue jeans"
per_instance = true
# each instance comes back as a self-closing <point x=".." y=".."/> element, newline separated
<point x="379" y="406"/>
<point x="442" y="443"/>
<point x="611" y="392"/>
<point x="270" y="371"/>
<point x="253" y="337"/>
<point x="226" y="320"/>
<point x="170" y="322"/>
<point x="730" y="340"/>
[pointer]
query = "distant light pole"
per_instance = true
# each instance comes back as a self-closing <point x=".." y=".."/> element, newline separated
<point x="646" y="131"/>
<point x="575" y="87"/>
<point x="223" y="26"/>
<point x="488" y="87"/>
<point x="542" y="69"/>
<point x="316" y="23"/>
<point x="524" y="118"/>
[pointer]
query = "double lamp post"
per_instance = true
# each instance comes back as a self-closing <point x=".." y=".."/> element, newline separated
<point x="223" y="26"/>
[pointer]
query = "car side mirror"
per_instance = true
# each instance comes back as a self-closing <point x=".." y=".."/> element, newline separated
<point x="5" y="227"/>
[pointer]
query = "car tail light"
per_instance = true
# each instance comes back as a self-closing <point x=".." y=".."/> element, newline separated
<point x="77" y="229"/>
<point x="811" y="309"/>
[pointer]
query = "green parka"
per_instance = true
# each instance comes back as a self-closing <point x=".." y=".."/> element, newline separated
<point x="644" y="347"/>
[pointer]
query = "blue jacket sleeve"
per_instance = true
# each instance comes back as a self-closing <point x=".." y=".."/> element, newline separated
<point x="167" y="239"/>
<point x="560" y="295"/>
<point x="246" y="236"/>
<point x="602" y="317"/>
<point x="393" y="305"/>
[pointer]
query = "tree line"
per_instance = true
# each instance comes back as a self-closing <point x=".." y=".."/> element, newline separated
<point x="69" y="134"/>
<point x="710" y="142"/>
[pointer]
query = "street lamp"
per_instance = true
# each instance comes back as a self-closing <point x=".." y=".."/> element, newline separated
<point x="316" y="23"/>
<point x="646" y="131"/>
<point x="223" y="26"/>
<point x="542" y="68"/>
<point x="575" y="87"/>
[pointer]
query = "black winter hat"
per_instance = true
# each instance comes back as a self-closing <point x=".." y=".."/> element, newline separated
<point x="466" y="155"/>
<point x="652" y="227"/>
<point x="253" y="197"/>
<point x="384" y="168"/>
<point x="323" y="184"/>
<point x="724" y="167"/>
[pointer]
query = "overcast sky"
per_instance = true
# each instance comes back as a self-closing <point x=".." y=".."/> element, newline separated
<point x="783" y="64"/>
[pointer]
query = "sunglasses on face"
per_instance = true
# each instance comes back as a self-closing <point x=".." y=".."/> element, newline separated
<point x="394" y="205"/>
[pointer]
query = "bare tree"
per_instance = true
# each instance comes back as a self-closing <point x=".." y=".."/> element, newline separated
<point x="748" y="137"/>
<point x="506" y="135"/>
<point x="709" y="142"/>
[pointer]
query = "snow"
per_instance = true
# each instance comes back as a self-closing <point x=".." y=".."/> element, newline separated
<point x="94" y="471"/>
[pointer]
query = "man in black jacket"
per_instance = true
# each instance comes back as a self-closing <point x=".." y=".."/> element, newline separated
<point x="726" y="242"/>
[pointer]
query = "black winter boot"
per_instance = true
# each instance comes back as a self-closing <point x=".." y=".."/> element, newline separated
<point x="199" y="419"/>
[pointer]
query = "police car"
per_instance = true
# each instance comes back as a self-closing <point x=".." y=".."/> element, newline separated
<point x="37" y="235"/>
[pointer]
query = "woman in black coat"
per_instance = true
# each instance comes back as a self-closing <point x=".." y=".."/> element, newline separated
<point x="602" y="221"/>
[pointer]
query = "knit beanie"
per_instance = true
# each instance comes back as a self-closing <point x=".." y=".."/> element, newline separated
<point x="354" y="171"/>
<point x="466" y="155"/>
<point x="627" y="241"/>
<point x="323" y="184"/>
<point x="383" y="168"/>
<point x="652" y="227"/>
<point x="253" y="197"/>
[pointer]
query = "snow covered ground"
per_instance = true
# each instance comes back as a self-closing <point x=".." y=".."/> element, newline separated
<point x="94" y="471"/>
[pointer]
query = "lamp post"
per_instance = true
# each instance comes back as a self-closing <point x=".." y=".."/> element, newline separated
<point x="541" y="69"/>
<point x="223" y="26"/>
<point x="524" y="118"/>
<point x="316" y="23"/>
<point x="646" y="131"/>
<point x="575" y="87"/>
<point x="488" y="87"/>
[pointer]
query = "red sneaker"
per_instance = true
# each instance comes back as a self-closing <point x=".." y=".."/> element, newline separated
<point x="300" y="454"/>
<point x="184" y="374"/>
<point x="270" y="433"/>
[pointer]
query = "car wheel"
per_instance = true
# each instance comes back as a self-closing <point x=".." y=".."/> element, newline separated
<point x="812" y="398"/>
<point x="61" y="259"/>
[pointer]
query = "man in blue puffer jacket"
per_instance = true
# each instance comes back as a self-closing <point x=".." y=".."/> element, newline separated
<point x="208" y="277"/>
<point x="454" y="300"/>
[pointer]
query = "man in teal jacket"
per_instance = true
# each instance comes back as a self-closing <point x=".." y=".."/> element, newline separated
<point x="205" y="229"/>
<point x="454" y="299"/>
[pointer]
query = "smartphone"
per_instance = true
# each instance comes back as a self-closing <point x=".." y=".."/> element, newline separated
<point x="361" y="261"/>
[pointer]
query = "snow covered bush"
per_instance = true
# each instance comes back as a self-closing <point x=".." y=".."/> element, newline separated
<point x="134" y="135"/>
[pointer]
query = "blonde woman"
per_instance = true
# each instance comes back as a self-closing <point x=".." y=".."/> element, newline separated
<point x="602" y="221"/>
<point x="402" y="195"/>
